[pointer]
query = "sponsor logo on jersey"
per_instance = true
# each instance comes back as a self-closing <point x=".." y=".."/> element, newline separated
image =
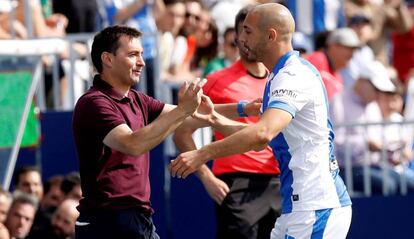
<point x="284" y="92"/>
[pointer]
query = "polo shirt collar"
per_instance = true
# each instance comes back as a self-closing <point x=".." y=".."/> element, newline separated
<point x="108" y="90"/>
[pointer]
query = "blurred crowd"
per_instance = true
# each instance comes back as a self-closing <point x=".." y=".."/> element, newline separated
<point x="40" y="209"/>
<point x="364" y="50"/>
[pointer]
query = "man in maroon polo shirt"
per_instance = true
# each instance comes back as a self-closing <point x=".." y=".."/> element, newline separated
<point x="114" y="129"/>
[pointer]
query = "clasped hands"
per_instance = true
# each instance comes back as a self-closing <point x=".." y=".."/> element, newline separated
<point x="190" y="161"/>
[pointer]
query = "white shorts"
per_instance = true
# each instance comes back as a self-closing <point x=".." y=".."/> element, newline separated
<point x="326" y="223"/>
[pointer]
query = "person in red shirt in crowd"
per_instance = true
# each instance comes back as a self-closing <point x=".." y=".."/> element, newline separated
<point x="246" y="186"/>
<point x="339" y="49"/>
<point x="403" y="51"/>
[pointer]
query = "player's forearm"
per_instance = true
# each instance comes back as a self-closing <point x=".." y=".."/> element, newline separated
<point x="224" y="125"/>
<point x="253" y="137"/>
<point x="227" y="110"/>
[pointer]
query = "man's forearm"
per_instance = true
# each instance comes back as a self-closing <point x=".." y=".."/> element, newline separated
<point x="153" y="134"/>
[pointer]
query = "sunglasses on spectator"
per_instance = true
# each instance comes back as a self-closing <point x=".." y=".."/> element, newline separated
<point x="189" y="14"/>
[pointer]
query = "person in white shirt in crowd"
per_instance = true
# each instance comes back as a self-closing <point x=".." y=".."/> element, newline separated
<point x="391" y="144"/>
<point x="363" y="28"/>
<point x="353" y="106"/>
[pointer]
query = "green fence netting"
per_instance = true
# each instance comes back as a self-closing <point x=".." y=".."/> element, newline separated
<point x="14" y="88"/>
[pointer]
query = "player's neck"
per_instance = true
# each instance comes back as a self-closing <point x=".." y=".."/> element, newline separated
<point x="274" y="55"/>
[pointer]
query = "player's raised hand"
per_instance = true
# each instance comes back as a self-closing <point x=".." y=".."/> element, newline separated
<point x="189" y="96"/>
<point x="205" y="110"/>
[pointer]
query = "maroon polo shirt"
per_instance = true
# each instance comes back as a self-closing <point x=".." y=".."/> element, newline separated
<point x="110" y="179"/>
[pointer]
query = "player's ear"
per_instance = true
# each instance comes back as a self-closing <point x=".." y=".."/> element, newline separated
<point x="272" y="34"/>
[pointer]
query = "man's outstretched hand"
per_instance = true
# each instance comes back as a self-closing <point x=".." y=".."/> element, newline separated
<point x="187" y="163"/>
<point x="189" y="95"/>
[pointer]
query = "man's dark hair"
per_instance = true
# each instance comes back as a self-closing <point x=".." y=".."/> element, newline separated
<point x="71" y="180"/>
<point x="107" y="40"/>
<point x="24" y="170"/>
<point x="241" y="15"/>
<point x="228" y="31"/>
<point x="321" y="40"/>
<point x="52" y="181"/>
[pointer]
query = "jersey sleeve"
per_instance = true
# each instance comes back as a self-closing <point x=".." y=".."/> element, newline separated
<point x="287" y="93"/>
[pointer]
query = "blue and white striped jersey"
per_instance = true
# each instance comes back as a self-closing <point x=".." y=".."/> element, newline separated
<point x="304" y="149"/>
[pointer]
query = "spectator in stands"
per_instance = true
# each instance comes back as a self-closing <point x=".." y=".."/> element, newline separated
<point x="352" y="106"/>
<point x="5" y="202"/>
<point x="363" y="55"/>
<point x="192" y="17"/>
<point x="230" y="53"/>
<point x="53" y="196"/>
<point x="28" y="179"/>
<point x="114" y="129"/>
<point x="245" y="187"/>
<point x="63" y="220"/>
<point x="392" y="16"/>
<point x="50" y="26"/>
<point x="341" y="44"/>
<point x="390" y="143"/>
<point x="194" y="11"/>
<point x="10" y="30"/>
<point x="21" y="214"/>
<point x="141" y="15"/>
<point x="45" y="24"/>
<point x="172" y="46"/>
<point x="207" y="42"/>
<point x="403" y="51"/>
<point x="202" y="42"/>
<point x="62" y="224"/>
<point x="71" y="186"/>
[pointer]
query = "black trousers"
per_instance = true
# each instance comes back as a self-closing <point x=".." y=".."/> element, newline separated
<point x="250" y="208"/>
<point x="126" y="224"/>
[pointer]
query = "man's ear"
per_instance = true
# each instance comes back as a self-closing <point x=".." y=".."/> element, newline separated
<point x="106" y="59"/>
<point x="272" y="34"/>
